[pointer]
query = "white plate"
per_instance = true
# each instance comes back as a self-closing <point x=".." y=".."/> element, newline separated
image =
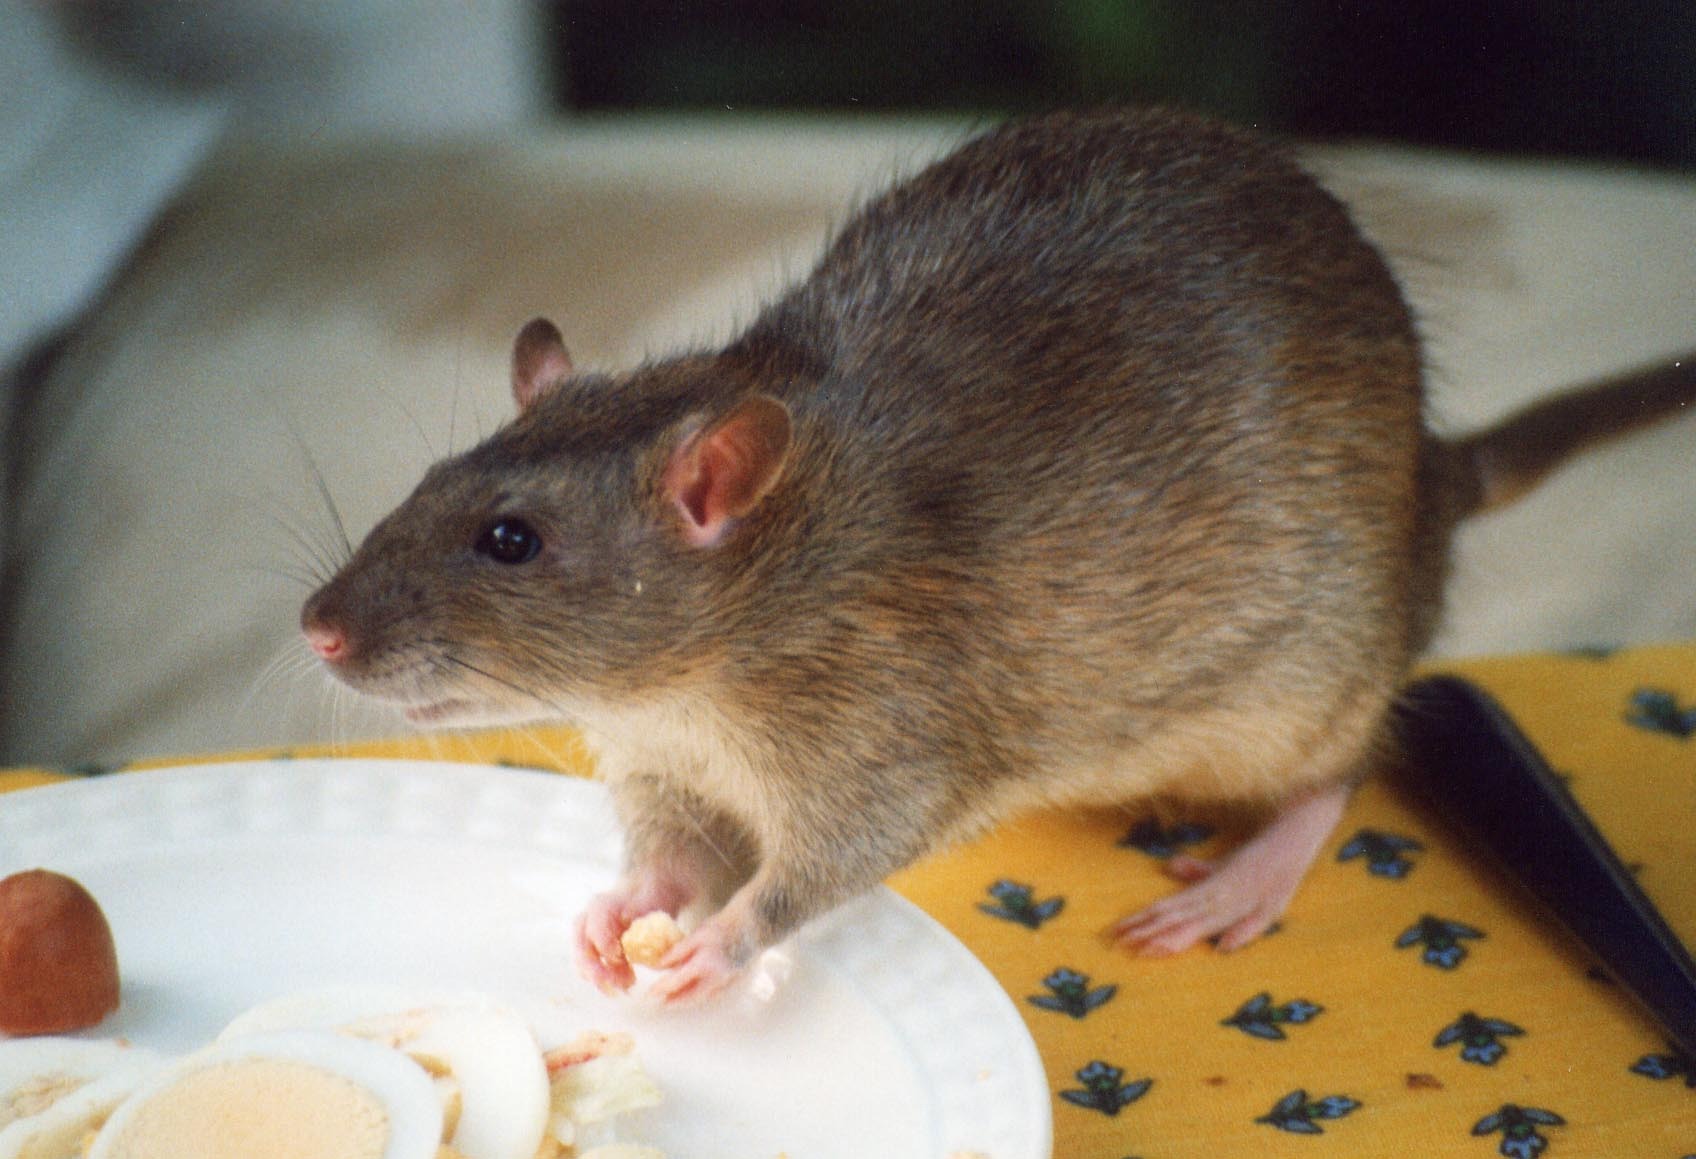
<point x="228" y="884"/>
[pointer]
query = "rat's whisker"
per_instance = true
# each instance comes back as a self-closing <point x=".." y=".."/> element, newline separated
<point x="288" y="666"/>
<point x="339" y="524"/>
<point x="458" y="389"/>
<point x="313" y="551"/>
<point x="302" y="574"/>
<point x="314" y="472"/>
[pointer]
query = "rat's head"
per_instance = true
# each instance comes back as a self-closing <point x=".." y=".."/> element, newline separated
<point x="580" y="553"/>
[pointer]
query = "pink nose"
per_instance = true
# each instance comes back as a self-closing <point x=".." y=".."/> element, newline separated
<point x="330" y="643"/>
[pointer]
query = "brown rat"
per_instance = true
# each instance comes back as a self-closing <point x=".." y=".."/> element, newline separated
<point x="1088" y="465"/>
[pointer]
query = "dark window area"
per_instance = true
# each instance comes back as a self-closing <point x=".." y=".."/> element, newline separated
<point x="1606" y="78"/>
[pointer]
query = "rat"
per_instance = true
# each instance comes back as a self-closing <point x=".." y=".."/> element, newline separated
<point x="1088" y="465"/>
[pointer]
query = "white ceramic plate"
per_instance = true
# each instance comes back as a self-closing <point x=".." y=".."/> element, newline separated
<point x="228" y="884"/>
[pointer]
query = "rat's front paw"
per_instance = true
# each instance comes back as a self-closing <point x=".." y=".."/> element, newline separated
<point x="602" y="957"/>
<point x="600" y="950"/>
<point x="704" y="964"/>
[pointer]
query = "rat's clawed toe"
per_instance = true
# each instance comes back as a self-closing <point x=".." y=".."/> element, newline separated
<point x="1239" y="897"/>
<point x="701" y="966"/>
<point x="600" y="953"/>
<point x="1194" y="915"/>
<point x="1216" y="904"/>
<point x="1190" y="869"/>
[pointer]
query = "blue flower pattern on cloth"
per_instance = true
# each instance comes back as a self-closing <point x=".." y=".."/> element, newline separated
<point x="1519" y="1128"/>
<point x="1441" y="939"/>
<point x="1017" y="903"/>
<point x="1299" y="1115"/>
<point x="1102" y="1091"/>
<point x="1259" y="1018"/>
<point x="1671" y="1065"/>
<point x="1658" y="710"/>
<point x="1385" y="853"/>
<point x="1164" y="841"/>
<point x="1070" y="993"/>
<point x="1480" y="1038"/>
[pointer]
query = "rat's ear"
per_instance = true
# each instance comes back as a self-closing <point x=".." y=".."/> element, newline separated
<point x="540" y="361"/>
<point x="720" y="472"/>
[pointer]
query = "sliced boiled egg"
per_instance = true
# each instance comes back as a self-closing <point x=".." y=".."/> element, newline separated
<point x="55" y="1091"/>
<point x="484" y="1056"/>
<point x="278" y="1095"/>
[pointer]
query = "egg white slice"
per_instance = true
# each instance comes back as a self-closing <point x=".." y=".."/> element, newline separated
<point x="54" y="1091"/>
<point x="400" y="1087"/>
<point x="488" y="1048"/>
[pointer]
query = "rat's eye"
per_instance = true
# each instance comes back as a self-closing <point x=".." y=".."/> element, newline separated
<point x="510" y="541"/>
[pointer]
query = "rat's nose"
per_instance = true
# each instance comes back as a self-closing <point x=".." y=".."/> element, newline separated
<point x="329" y="642"/>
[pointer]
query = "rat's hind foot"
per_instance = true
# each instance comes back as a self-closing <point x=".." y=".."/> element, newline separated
<point x="1221" y="902"/>
<point x="1239" y="897"/>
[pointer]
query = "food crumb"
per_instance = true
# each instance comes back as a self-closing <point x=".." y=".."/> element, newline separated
<point x="589" y="1045"/>
<point x="1424" y="1082"/>
<point x="650" y="937"/>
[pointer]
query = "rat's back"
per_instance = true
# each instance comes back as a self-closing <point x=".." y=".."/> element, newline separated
<point x="1151" y="407"/>
<point x="1120" y="263"/>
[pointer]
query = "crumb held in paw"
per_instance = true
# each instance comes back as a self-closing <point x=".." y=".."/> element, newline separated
<point x="650" y="938"/>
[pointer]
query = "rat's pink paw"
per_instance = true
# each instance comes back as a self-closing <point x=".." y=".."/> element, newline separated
<point x="600" y="954"/>
<point x="703" y="965"/>
<point x="1220" y="902"/>
<point x="600" y="931"/>
<point x="1190" y="869"/>
<point x="1237" y="899"/>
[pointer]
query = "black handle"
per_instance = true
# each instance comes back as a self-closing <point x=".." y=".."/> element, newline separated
<point x="1487" y="778"/>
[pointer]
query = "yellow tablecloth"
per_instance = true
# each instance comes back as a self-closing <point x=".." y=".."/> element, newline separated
<point x="1354" y="1030"/>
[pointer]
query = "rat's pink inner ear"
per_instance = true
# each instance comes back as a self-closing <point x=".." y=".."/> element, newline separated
<point x="720" y="473"/>
<point x="540" y="362"/>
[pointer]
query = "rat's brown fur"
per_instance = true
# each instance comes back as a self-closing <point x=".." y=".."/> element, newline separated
<point x="1107" y="477"/>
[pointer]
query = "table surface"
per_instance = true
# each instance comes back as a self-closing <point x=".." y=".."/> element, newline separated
<point x="1412" y="1002"/>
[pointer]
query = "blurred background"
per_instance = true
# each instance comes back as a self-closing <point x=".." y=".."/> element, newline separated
<point x="253" y="254"/>
<point x="1613" y="78"/>
<point x="1605" y="78"/>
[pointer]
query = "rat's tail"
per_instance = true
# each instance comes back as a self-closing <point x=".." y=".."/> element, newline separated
<point x="1497" y="465"/>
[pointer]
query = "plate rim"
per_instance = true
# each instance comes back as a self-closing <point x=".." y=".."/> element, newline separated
<point x="1017" y="1062"/>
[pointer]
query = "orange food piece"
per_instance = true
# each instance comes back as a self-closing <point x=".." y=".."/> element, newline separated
<point x="650" y="937"/>
<point x="58" y="964"/>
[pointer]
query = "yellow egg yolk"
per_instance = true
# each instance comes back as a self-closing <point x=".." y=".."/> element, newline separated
<point x="258" y="1108"/>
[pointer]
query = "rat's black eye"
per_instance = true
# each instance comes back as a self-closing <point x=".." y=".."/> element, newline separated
<point x="510" y="541"/>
